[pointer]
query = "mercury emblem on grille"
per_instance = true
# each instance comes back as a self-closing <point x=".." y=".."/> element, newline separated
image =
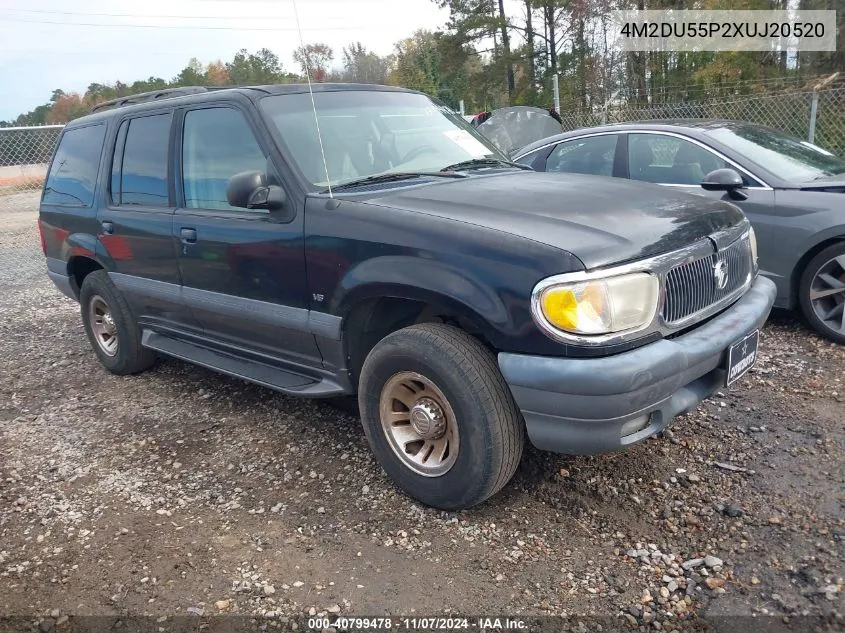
<point x="720" y="274"/>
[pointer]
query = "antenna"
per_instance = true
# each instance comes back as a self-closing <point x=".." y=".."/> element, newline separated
<point x="311" y="92"/>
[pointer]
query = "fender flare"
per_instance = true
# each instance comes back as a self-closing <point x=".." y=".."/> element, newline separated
<point x="433" y="282"/>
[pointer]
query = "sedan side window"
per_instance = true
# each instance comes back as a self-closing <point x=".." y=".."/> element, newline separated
<point x="588" y="155"/>
<point x="217" y="143"/>
<point x="670" y="160"/>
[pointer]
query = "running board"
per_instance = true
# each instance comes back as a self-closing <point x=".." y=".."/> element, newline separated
<point x="254" y="371"/>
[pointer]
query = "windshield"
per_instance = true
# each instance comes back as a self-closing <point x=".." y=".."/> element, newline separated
<point x="786" y="157"/>
<point x="368" y="133"/>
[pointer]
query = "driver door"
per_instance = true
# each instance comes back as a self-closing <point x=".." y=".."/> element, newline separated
<point x="243" y="270"/>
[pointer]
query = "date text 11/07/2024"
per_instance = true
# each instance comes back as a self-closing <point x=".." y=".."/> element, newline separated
<point x="483" y="623"/>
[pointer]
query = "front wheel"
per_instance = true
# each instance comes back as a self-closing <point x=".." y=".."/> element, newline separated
<point x="439" y="416"/>
<point x="822" y="292"/>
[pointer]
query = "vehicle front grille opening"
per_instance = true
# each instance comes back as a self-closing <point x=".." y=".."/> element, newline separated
<point x="696" y="286"/>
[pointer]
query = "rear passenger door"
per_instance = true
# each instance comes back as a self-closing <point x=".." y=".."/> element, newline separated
<point x="243" y="270"/>
<point x="136" y="221"/>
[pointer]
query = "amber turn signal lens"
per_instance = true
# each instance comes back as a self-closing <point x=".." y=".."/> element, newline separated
<point x="601" y="306"/>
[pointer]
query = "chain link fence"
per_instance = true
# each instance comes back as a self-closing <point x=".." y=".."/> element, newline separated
<point x="24" y="155"/>
<point x="791" y="112"/>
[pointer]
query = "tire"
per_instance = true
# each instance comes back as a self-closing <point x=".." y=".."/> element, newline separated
<point x="112" y="331"/>
<point x="484" y="429"/>
<point x="825" y="314"/>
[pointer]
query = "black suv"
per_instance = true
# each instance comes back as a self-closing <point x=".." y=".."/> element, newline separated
<point x="365" y="239"/>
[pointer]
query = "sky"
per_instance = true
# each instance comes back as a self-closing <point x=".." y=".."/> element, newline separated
<point x="49" y="44"/>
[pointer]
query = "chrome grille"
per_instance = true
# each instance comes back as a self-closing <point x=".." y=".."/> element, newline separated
<point x="692" y="288"/>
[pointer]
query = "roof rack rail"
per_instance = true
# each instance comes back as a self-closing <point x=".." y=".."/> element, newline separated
<point x="143" y="97"/>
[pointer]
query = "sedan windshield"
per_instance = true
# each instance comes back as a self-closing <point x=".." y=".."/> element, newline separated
<point x="368" y="133"/>
<point x="786" y="157"/>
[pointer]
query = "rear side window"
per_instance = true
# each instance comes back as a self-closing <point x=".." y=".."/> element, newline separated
<point x="143" y="173"/>
<point x="589" y="155"/>
<point x="73" y="174"/>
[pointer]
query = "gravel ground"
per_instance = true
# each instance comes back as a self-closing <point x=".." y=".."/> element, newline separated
<point x="183" y="492"/>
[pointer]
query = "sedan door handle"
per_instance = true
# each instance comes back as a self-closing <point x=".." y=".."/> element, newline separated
<point x="108" y="227"/>
<point x="189" y="236"/>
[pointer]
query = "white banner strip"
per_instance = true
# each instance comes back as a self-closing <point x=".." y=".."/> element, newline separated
<point x="694" y="30"/>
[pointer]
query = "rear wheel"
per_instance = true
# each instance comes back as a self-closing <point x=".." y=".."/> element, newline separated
<point x="439" y="416"/>
<point x="822" y="292"/>
<point x="111" y="328"/>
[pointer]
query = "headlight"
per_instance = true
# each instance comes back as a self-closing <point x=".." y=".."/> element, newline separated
<point x="752" y="240"/>
<point x="599" y="306"/>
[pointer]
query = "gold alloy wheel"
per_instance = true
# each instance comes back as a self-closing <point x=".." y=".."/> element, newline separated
<point x="102" y="325"/>
<point x="419" y="424"/>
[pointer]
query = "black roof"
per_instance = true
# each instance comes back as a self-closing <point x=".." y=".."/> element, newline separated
<point x="187" y="93"/>
<point x="279" y="89"/>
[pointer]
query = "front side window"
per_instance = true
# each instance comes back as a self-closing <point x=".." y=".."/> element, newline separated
<point x="669" y="160"/>
<point x="367" y="133"/>
<point x="73" y="174"/>
<point x="786" y="157"/>
<point x="217" y="143"/>
<point x="143" y="179"/>
<point x="589" y="155"/>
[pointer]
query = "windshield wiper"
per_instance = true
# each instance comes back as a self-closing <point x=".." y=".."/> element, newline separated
<point x="393" y="177"/>
<point x="484" y="162"/>
<point x="830" y="175"/>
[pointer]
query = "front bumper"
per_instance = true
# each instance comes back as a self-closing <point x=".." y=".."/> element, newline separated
<point x="584" y="406"/>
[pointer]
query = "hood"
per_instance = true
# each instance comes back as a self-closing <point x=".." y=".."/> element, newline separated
<point x="600" y="220"/>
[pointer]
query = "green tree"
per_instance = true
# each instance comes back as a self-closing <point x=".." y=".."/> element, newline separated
<point x="314" y="60"/>
<point x="191" y="75"/>
<point x="147" y="85"/>
<point x="417" y="63"/>
<point x="97" y="93"/>
<point x="363" y="66"/>
<point x="67" y="107"/>
<point x="258" y="68"/>
<point x="475" y="20"/>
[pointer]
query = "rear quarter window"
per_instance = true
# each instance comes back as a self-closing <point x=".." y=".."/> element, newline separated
<point x="143" y="179"/>
<point x="73" y="174"/>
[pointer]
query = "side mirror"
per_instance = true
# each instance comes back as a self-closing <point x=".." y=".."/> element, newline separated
<point x="249" y="189"/>
<point x="725" y="180"/>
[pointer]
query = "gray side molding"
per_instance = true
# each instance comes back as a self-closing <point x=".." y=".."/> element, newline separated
<point x="273" y="314"/>
<point x="250" y="309"/>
